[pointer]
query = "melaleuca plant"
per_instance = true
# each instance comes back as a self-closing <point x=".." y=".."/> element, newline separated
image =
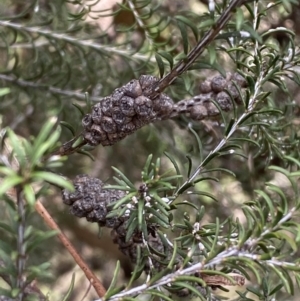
<point x="194" y="104"/>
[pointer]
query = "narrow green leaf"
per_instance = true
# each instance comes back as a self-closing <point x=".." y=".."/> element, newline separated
<point x="79" y="108"/>
<point x="288" y="239"/>
<point x="268" y="201"/>
<point x="190" y="24"/>
<point x="4" y="91"/>
<point x="123" y="200"/>
<point x="7" y="228"/>
<point x="186" y="203"/>
<point x="160" y="64"/>
<point x="199" y="144"/>
<point x="39" y="151"/>
<point x="244" y="139"/>
<point x="207" y="23"/>
<point x="255" y="291"/>
<point x="170" y="178"/>
<point x="29" y="194"/>
<point x="161" y="201"/>
<point x="138" y="269"/>
<point x="70" y="289"/>
<point x="69" y="127"/>
<point x="220" y="169"/>
<point x="239" y="14"/>
<point x="77" y="142"/>
<point x="156" y="219"/>
<point x="288" y="285"/>
<point x="205" y="193"/>
<point x="284" y="202"/>
<point x="17" y="146"/>
<point x="115" y="291"/>
<point x="184" y="35"/>
<point x="10" y="182"/>
<point x="86" y="153"/>
<point x="190" y="165"/>
<point x="7" y="171"/>
<point x="158" y="215"/>
<point x="158" y="276"/>
<point x="191" y="279"/>
<point x="124" y="178"/>
<point x="192" y="289"/>
<point x="293" y="160"/>
<point x="132" y="226"/>
<point x="113" y="282"/>
<point x="141" y="206"/>
<point x="276" y="289"/>
<point x="213" y="249"/>
<point x="168" y="57"/>
<point x="53" y="179"/>
<point x="173" y="162"/>
<point x="212" y="54"/>
<point x="160" y="295"/>
<point x="229" y="126"/>
<point x="44" y="133"/>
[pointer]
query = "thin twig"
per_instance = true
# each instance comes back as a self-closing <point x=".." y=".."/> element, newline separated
<point x="78" y="42"/>
<point x="184" y="65"/>
<point x="68" y="147"/>
<point x="234" y="128"/>
<point x="45" y="87"/>
<point x="99" y="288"/>
<point x="21" y="259"/>
<point x="140" y="22"/>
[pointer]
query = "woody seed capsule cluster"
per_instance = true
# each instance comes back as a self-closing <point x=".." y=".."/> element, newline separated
<point x="124" y="111"/>
<point x="91" y="201"/>
<point x="201" y="106"/>
<point x="127" y="109"/>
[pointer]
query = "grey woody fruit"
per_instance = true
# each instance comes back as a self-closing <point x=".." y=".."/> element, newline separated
<point x="91" y="201"/>
<point x="128" y="108"/>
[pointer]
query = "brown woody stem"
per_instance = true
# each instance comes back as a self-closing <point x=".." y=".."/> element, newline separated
<point x="65" y="241"/>
<point x="184" y="65"/>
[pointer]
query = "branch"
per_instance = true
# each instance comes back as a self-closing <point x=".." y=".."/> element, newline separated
<point x="21" y="258"/>
<point x="65" y="241"/>
<point x="44" y="87"/>
<point x="140" y="22"/>
<point x="251" y="105"/>
<point x="184" y="65"/>
<point x="170" y="278"/>
<point x="76" y="41"/>
<point x="220" y="258"/>
<point x="197" y="108"/>
<point x="68" y="148"/>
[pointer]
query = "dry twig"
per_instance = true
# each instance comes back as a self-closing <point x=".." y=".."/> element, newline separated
<point x="99" y="288"/>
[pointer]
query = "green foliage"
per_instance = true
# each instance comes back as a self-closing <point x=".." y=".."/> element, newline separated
<point x="58" y="59"/>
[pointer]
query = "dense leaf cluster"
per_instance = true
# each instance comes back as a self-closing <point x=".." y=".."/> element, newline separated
<point x="218" y="207"/>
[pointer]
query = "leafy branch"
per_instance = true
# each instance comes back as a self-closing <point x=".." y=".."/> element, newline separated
<point x="185" y="64"/>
